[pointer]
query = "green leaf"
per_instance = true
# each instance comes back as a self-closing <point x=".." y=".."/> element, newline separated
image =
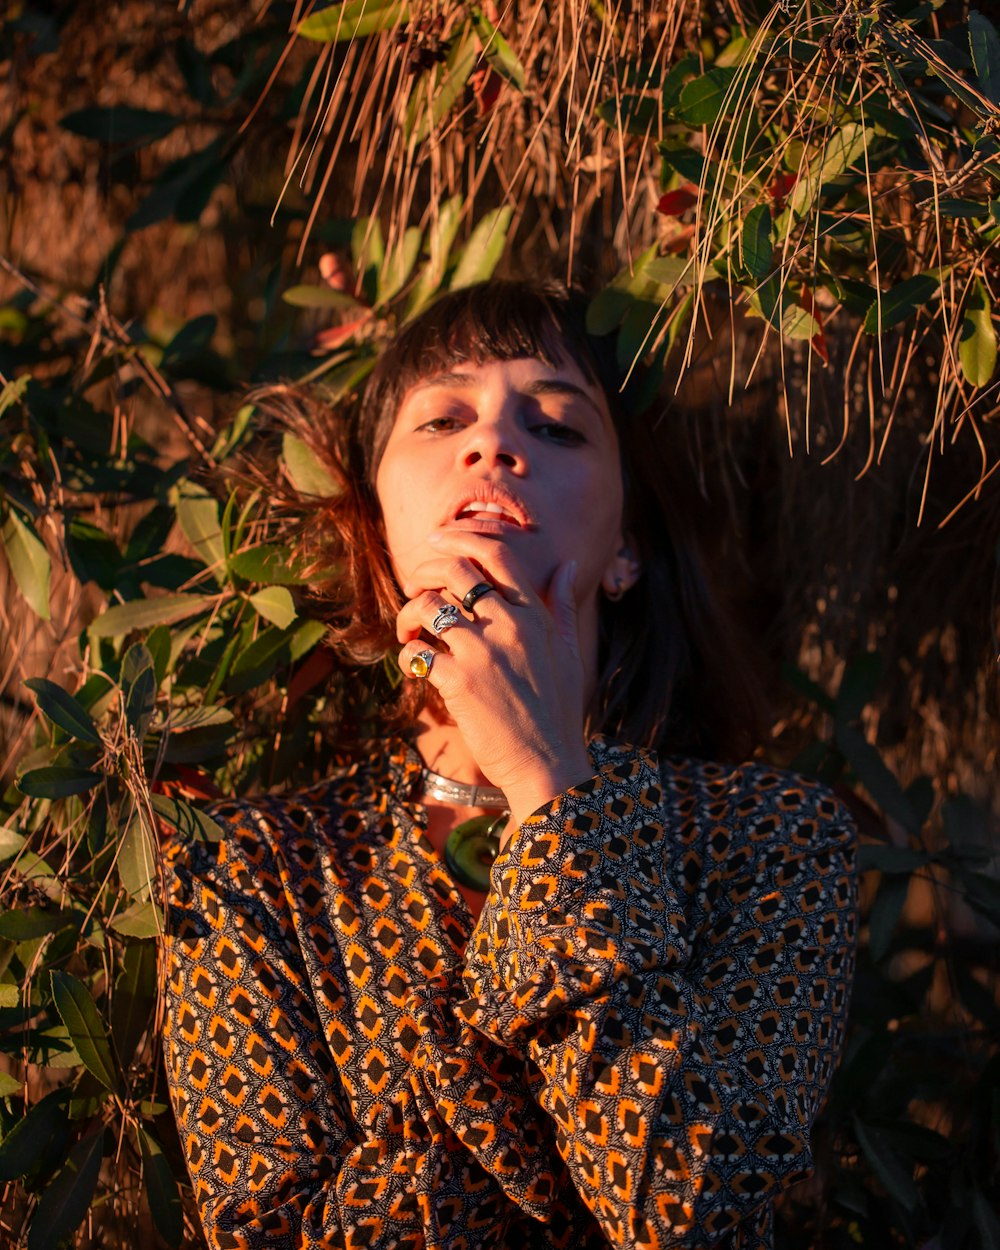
<point x="32" y="922"/>
<point x="887" y="1166"/>
<point x="440" y="88"/>
<point x="119" y="124"/>
<point x="66" y="1200"/>
<point x="900" y="302"/>
<point x="141" y="920"/>
<point x="854" y="295"/>
<point x="305" y="469"/>
<point x="183" y="188"/>
<point x="703" y="98"/>
<point x="399" y="264"/>
<point x="198" y="513"/>
<point x="29" y="865"/>
<point x="11" y="842"/>
<point x="963" y="208"/>
<point x="368" y="254"/>
<point x="57" y="782"/>
<point x="29" y="562"/>
<point x="844" y="148"/>
<point x="138" y="681"/>
<point x="9" y="1085"/>
<point x="440" y="238"/>
<point x="482" y="253"/>
<point x="63" y="710"/>
<point x="977" y="345"/>
<point x="158" y="645"/>
<point x="137" y="857"/>
<point x="161" y="1189"/>
<point x="134" y="998"/>
<point x="796" y="323"/>
<point x="668" y="271"/>
<point x="275" y="604"/>
<point x="79" y="1013"/>
<point x="187" y="820"/>
<point x="691" y="165"/>
<point x="967" y="829"/>
<point x="12" y="392"/>
<point x="319" y="297"/>
<point x="609" y="308"/>
<point x="984" y="43"/>
<point x="270" y="562"/>
<point x="498" y="51"/>
<point x="755" y="242"/>
<point x="143" y="613"/>
<point x="28" y="1141"/>
<point x="871" y="770"/>
<point x="192" y="735"/>
<point x="354" y="20"/>
<point x="858" y="686"/>
<point x="891" y="859"/>
<point x="885" y="912"/>
<point x="308" y="634"/>
<point x="983" y="892"/>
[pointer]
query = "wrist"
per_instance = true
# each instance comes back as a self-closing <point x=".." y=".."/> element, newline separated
<point x="541" y="787"/>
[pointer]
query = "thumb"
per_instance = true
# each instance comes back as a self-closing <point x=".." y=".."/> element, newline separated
<point x="564" y="608"/>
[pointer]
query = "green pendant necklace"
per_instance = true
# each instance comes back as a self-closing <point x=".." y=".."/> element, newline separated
<point x="473" y="845"/>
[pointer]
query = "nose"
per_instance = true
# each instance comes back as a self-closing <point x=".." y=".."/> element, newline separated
<point x="495" y="441"/>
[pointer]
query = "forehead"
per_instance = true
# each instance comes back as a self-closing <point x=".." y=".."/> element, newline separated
<point x="526" y="375"/>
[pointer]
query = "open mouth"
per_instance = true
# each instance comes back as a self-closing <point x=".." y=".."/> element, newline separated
<point x="478" y="510"/>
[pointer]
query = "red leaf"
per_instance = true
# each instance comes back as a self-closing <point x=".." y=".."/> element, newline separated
<point x="189" y="783"/>
<point x="327" y="340"/>
<point x="780" y="187"/>
<point x="485" y="84"/>
<point x="676" y="202"/>
<point x="818" y="340"/>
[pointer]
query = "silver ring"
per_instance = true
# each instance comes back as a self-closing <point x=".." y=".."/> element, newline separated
<point x="420" y="664"/>
<point x="445" y="619"/>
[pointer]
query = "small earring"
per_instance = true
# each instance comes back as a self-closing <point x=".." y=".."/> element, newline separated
<point x="618" y="592"/>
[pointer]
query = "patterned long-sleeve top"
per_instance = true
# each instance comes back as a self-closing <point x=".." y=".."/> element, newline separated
<point x="628" y="1048"/>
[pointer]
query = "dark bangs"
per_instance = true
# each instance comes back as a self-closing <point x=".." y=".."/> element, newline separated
<point x="491" y="321"/>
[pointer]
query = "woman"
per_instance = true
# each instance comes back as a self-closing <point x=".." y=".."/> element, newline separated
<point x="622" y="1032"/>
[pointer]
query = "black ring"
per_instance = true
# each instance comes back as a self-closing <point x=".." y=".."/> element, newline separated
<point x="475" y="594"/>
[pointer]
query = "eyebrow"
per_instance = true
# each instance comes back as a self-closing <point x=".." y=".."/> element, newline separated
<point x="541" y="386"/>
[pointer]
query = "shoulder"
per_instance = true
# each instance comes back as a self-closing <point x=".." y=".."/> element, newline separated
<point x="337" y="811"/>
<point x="754" y="802"/>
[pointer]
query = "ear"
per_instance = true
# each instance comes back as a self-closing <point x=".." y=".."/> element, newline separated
<point x="622" y="572"/>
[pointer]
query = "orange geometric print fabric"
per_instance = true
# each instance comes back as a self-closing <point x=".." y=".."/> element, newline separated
<point x="627" y="1049"/>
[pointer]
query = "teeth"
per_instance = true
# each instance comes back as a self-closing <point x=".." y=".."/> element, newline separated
<point x="478" y="505"/>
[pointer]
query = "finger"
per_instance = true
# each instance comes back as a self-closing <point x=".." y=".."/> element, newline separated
<point x="448" y="575"/>
<point x="564" y="606"/>
<point x="429" y="611"/>
<point x="496" y="560"/>
<point x="438" y="661"/>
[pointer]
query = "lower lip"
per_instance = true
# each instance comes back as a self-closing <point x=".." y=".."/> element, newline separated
<point x="480" y="525"/>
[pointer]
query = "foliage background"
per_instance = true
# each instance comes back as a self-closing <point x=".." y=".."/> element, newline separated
<point x="792" y="210"/>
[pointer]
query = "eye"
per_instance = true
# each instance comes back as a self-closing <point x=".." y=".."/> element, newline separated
<point x="439" y="425"/>
<point x="559" y="432"/>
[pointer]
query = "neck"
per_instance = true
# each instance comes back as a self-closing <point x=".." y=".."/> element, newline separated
<point x="443" y="749"/>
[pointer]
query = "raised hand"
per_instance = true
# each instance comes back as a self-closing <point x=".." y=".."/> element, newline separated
<point x="509" y="671"/>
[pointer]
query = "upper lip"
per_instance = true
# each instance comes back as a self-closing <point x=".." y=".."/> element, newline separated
<point x="491" y="492"/>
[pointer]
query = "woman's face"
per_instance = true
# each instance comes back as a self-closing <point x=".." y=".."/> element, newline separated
<point x="517" y="450"/>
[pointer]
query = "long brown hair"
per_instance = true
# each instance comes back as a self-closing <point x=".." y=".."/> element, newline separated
<point x="673" y="670"/>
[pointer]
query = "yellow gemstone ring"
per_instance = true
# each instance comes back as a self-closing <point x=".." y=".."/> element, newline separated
<point x="421" y="663"/>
